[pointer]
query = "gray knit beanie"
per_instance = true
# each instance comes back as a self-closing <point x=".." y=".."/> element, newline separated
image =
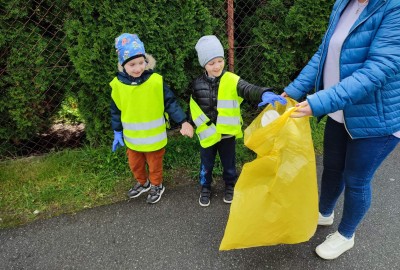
<point x="208" y="48"/>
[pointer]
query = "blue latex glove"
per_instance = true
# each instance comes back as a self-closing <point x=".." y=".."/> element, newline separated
<point x="118" y="140"/>
<point x="270" y="97"/>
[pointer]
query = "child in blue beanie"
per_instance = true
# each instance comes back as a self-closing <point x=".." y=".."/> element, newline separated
<point x="139" y="99"/>
<point x="215" y="110"/>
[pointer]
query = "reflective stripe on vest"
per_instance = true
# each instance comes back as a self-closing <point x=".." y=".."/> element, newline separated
<point x="201" y="119"/>
<point x="227" y="104"/>
<point x="147" y="140"/>
<point x="142" y="113"/>
<point x="229" y="120"/>
<point x="207" y="133"/>
<point x="144" y="126"/>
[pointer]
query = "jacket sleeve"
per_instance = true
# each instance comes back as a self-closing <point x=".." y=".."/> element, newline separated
<point x="116" y="123"/>
<point x="382" y="63"/>
<point x="172" y="106"/>
<point x="250" y="92"/>
<point x="305" y="81"/>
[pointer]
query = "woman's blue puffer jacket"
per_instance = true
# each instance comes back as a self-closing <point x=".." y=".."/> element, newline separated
<point x="369" y="88"/>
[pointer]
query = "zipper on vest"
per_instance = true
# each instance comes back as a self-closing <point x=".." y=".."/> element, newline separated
<point x="213" y="106"/>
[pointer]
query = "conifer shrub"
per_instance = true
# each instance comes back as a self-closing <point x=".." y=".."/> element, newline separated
<point x="284" y="35"/>
<point x="169" y="30"/>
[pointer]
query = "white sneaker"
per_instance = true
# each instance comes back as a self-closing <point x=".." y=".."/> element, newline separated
<point x="325" y="221"/>
<point x="334" y="246"/>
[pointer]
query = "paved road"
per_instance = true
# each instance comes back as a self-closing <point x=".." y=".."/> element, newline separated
<point x="178" y="234"/>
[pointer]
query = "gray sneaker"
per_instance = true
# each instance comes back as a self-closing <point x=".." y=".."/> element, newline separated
<point x="155" y="193"/>
<point x="228" y="194"/>
<point x="204" y="199"/>
<point x="138" y="189"/>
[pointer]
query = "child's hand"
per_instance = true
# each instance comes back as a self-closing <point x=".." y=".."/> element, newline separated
<point x="270" y="97"/>
<point x="187" y="130"/>
<point x="118" y="140"/>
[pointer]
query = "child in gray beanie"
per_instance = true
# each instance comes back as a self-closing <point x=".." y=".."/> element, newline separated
<point x="215" y="110"/>
<point x="208" y="48"/>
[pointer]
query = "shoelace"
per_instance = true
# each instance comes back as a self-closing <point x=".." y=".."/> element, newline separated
<point x="205" y="193"/>
<point x="154" y="190"/>
<point x="229" y="190"/>
<point x="337" y="236"/>
<point x="330" y="235"/>
<point x="138" y="185"/>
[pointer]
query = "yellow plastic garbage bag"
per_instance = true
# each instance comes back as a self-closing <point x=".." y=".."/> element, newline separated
<point x="276" y="196"/>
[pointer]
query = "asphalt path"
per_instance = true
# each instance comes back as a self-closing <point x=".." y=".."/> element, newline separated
<point x="177" y="233"/>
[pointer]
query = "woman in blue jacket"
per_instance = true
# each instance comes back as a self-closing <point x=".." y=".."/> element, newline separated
<point x="356" y="75"/>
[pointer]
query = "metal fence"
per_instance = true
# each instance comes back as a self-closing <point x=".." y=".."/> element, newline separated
<point x="41" y="23"/>
<point x="43" y="19"/>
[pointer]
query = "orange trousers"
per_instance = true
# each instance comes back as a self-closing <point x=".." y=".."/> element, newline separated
<point x="154" y="160"/>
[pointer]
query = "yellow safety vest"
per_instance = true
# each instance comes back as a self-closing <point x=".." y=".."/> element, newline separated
<point x="229" y="120"/>
<point x="142" y="113"/>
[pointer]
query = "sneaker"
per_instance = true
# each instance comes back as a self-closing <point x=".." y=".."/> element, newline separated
<point x="155" y="193"/>
<point x="138" y="189"/>
<point x="334" y="246"/>
<point x="228" y="194"/>
<point x="205" y="194"/>
<point x="325" y="221"/>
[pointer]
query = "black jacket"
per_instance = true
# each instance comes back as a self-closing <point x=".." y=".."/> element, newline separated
<point x="205" y="92"/>
<point x="171" y="105"/>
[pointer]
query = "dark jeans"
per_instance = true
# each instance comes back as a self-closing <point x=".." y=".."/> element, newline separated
<point x="350" y="165"/>
<point x="226" y="149"/>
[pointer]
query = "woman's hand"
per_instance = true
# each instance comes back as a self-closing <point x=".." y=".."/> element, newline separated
<point x="302" y="109"/>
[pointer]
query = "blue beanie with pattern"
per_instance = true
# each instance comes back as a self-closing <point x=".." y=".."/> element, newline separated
<point x="128" y="46"/>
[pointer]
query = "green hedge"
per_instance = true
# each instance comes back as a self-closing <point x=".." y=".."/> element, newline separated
<point x="288" y="34"/>
<point x="35" y="72"/>
<point x="284" y="34"/>
<point x="169" y="30"/>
